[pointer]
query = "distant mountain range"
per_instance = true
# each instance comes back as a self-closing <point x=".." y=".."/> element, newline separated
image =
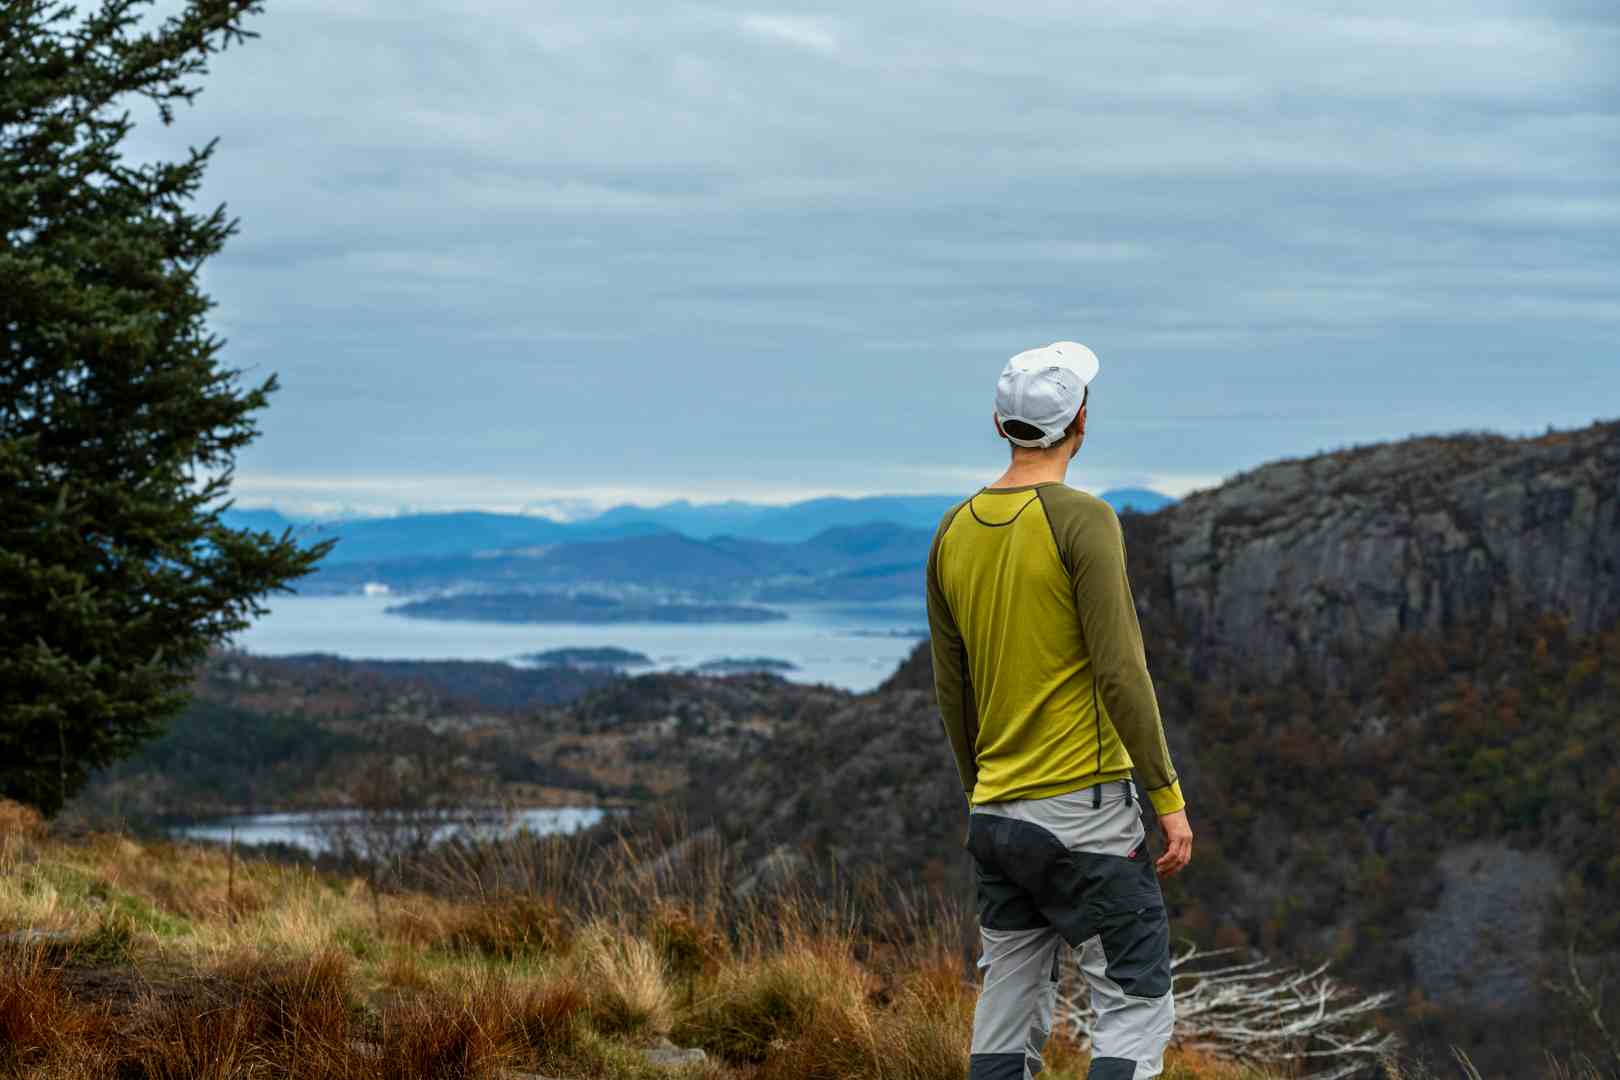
<point x="802" y="520"/>
<point x="418" y="536"/>
<point x="872" y="563"/>
<point x="850" y="551"/>
<point x="424" y="536"/>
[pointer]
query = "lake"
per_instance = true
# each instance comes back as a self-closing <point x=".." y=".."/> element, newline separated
<point x="854" y="648"/>
<point x="312" y="831"/>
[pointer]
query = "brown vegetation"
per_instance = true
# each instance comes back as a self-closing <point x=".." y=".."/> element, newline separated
<point x="602" y="957"/>
<point x="562" y="958"/>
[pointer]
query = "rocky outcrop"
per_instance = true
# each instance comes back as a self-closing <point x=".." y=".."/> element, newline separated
<point x="1480" y="947"/>
<point x="1310" y="559"/>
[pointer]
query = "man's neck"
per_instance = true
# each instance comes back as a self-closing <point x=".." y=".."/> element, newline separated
<point x="1031" y="469"/>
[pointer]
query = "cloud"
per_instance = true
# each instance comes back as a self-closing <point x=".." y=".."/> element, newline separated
<point x="700" y="248"/>
<point x="812" y="34"/>
<point x="1542" y="211"/>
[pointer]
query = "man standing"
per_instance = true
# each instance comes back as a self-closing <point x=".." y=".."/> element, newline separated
<point x="1044" y="691"/>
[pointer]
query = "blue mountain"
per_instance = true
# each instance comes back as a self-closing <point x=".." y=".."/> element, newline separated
<point x="469" y="533"/>
<point x="270" y="521"/>
<point x="802" y="520"/>
<point x="425" y="536"/>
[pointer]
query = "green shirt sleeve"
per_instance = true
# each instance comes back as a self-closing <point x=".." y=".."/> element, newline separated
<point x="1092" y="547"/>
<point x="952" y="688"/>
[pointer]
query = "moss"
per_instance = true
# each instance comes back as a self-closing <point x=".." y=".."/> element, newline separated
<point x="82" y="890"/>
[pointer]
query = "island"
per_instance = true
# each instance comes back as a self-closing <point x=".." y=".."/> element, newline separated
<point x="575" y="608"/>
<point x="745" y="666"/>
<point x="600" y="658"/>
<point x="915" y="632"/>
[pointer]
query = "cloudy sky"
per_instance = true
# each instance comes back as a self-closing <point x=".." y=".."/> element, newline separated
<point x="538" y="255"/>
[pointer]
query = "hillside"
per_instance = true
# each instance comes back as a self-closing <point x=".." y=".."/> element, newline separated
<point x="288" y="733"/>
<point x="265" y="734"/>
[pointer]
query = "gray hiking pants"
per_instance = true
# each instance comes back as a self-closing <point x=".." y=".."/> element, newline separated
<point x="1069" y="870"/>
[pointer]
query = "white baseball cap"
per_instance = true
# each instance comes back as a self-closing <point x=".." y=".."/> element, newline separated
<point x="1044" y="388"/>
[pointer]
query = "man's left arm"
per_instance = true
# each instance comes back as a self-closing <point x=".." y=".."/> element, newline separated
<point x="1119" y="662"/>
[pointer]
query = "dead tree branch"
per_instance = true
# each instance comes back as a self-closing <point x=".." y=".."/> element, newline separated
<point x="1260" y="1013"/>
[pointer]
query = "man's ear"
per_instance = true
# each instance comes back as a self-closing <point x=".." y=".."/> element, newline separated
<point x="1077" y="431"/>
<point x="997" y="421"/>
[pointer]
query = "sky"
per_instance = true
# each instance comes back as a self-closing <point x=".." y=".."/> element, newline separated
<point x="542" y="257"/>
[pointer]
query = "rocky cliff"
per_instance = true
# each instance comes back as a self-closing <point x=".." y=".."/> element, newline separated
<point x="1307" y="560"/>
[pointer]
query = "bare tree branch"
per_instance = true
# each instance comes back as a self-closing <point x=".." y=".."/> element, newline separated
<point x="1588" y="1001"/>
<point x="1260" y="1013"/>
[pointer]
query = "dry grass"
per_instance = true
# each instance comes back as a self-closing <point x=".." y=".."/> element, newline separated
<point x="555" y="958"/>
<point x="629" y="993"/>
<point x="38" y="1017"/>
<point x="547" y="1019"/>
<point x="459" y="1038"/>
<point x="511" y="926"/>
<point x="1186" y="1064"/>
<point x="773" y="997"/>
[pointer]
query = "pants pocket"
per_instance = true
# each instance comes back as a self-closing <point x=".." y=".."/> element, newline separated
<point x="1137" y="946"/>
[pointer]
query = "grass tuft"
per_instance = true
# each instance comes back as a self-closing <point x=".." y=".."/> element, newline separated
<point x="431" y="1038"/>
<point x="194" y="1036"/>
<point x="771" y="999"/>
<point x="110" y="941"/>
<point x="548" y="1018"/>
<point x="38" y="1017"/>
<point x="628" y="992"/>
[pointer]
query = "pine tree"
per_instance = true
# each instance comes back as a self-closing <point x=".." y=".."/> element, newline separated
<point x="119" y="424"/>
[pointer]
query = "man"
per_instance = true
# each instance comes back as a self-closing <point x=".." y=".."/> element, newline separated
<point x="1044" y="691"/>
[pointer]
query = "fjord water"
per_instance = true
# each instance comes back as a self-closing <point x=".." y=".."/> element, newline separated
<point x="314" y="831"/>
<point x="854" y="648"/>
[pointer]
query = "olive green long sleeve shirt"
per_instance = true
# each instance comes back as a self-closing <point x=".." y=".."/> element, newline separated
<point x="1039" y="668"/>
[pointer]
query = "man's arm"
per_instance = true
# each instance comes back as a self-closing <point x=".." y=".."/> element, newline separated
<point x="953" y="689"/>
<point x="1094" y="549"/>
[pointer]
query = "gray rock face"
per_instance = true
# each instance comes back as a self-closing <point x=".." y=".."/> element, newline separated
<point x="1480" y="946"/>
<point x="1302" y="559"/>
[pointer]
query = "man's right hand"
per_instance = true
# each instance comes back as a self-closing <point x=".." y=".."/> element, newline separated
<point x="1177" y="843"/>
